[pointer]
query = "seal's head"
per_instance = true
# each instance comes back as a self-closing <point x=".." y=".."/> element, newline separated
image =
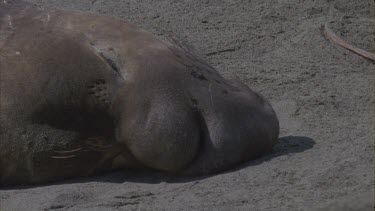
<point x="179" y="115"/>
<point x="103" y="94"/>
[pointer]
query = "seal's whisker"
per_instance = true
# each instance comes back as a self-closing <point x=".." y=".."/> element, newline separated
<point x="68" y="151"/>
<point x="63" y="157"/>
<point x="92" y="138"/>
<point x="97" y="150"/>
<point x="209" y="90"/>
<point x="100" y="146"/>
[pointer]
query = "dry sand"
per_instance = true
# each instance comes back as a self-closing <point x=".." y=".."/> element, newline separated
<point x="323" y="95"/>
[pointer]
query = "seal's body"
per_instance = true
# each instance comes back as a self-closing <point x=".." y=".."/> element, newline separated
<point x="82" y="93"/>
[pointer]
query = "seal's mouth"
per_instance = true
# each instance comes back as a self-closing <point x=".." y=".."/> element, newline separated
<point x="125" y="160"/>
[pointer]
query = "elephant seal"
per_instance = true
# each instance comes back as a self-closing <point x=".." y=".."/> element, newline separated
<point x="83" y="93"/>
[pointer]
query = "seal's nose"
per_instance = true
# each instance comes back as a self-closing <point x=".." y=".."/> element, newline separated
<point x="237" y="125"/>
<point x="195" y="128"/>
<point x="162" y="132"/>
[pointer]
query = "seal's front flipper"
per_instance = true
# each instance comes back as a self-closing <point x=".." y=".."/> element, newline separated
<point x="51" y="154"/>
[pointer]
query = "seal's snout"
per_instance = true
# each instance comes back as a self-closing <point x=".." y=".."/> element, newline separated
<point x="162" y="132"/>
<point x="238" y="125"/>
<point x="196" y="130"/>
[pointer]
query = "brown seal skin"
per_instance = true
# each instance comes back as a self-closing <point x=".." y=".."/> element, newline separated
<point x="82" y="93"/>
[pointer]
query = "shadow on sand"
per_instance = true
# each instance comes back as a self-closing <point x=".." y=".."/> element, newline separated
<point x="286" y="145"/>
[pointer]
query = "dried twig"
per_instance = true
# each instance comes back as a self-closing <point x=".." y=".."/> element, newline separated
<point x="336" y="39"/>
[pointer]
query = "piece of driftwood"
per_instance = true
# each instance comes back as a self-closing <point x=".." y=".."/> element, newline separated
<point x="338" y="40"/>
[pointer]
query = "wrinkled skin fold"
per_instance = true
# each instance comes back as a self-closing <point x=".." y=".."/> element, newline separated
<point x="83" y="93"/>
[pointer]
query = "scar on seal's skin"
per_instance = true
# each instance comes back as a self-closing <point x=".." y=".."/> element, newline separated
<point x="339" y="41"/>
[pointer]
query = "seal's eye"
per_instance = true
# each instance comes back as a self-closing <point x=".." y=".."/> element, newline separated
<point x="111" y="63"/>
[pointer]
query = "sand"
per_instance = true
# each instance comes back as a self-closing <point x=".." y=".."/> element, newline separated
<point x="322" y="93"/>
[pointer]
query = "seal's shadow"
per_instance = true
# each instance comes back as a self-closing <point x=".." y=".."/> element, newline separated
<point x="286" y="145"/>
